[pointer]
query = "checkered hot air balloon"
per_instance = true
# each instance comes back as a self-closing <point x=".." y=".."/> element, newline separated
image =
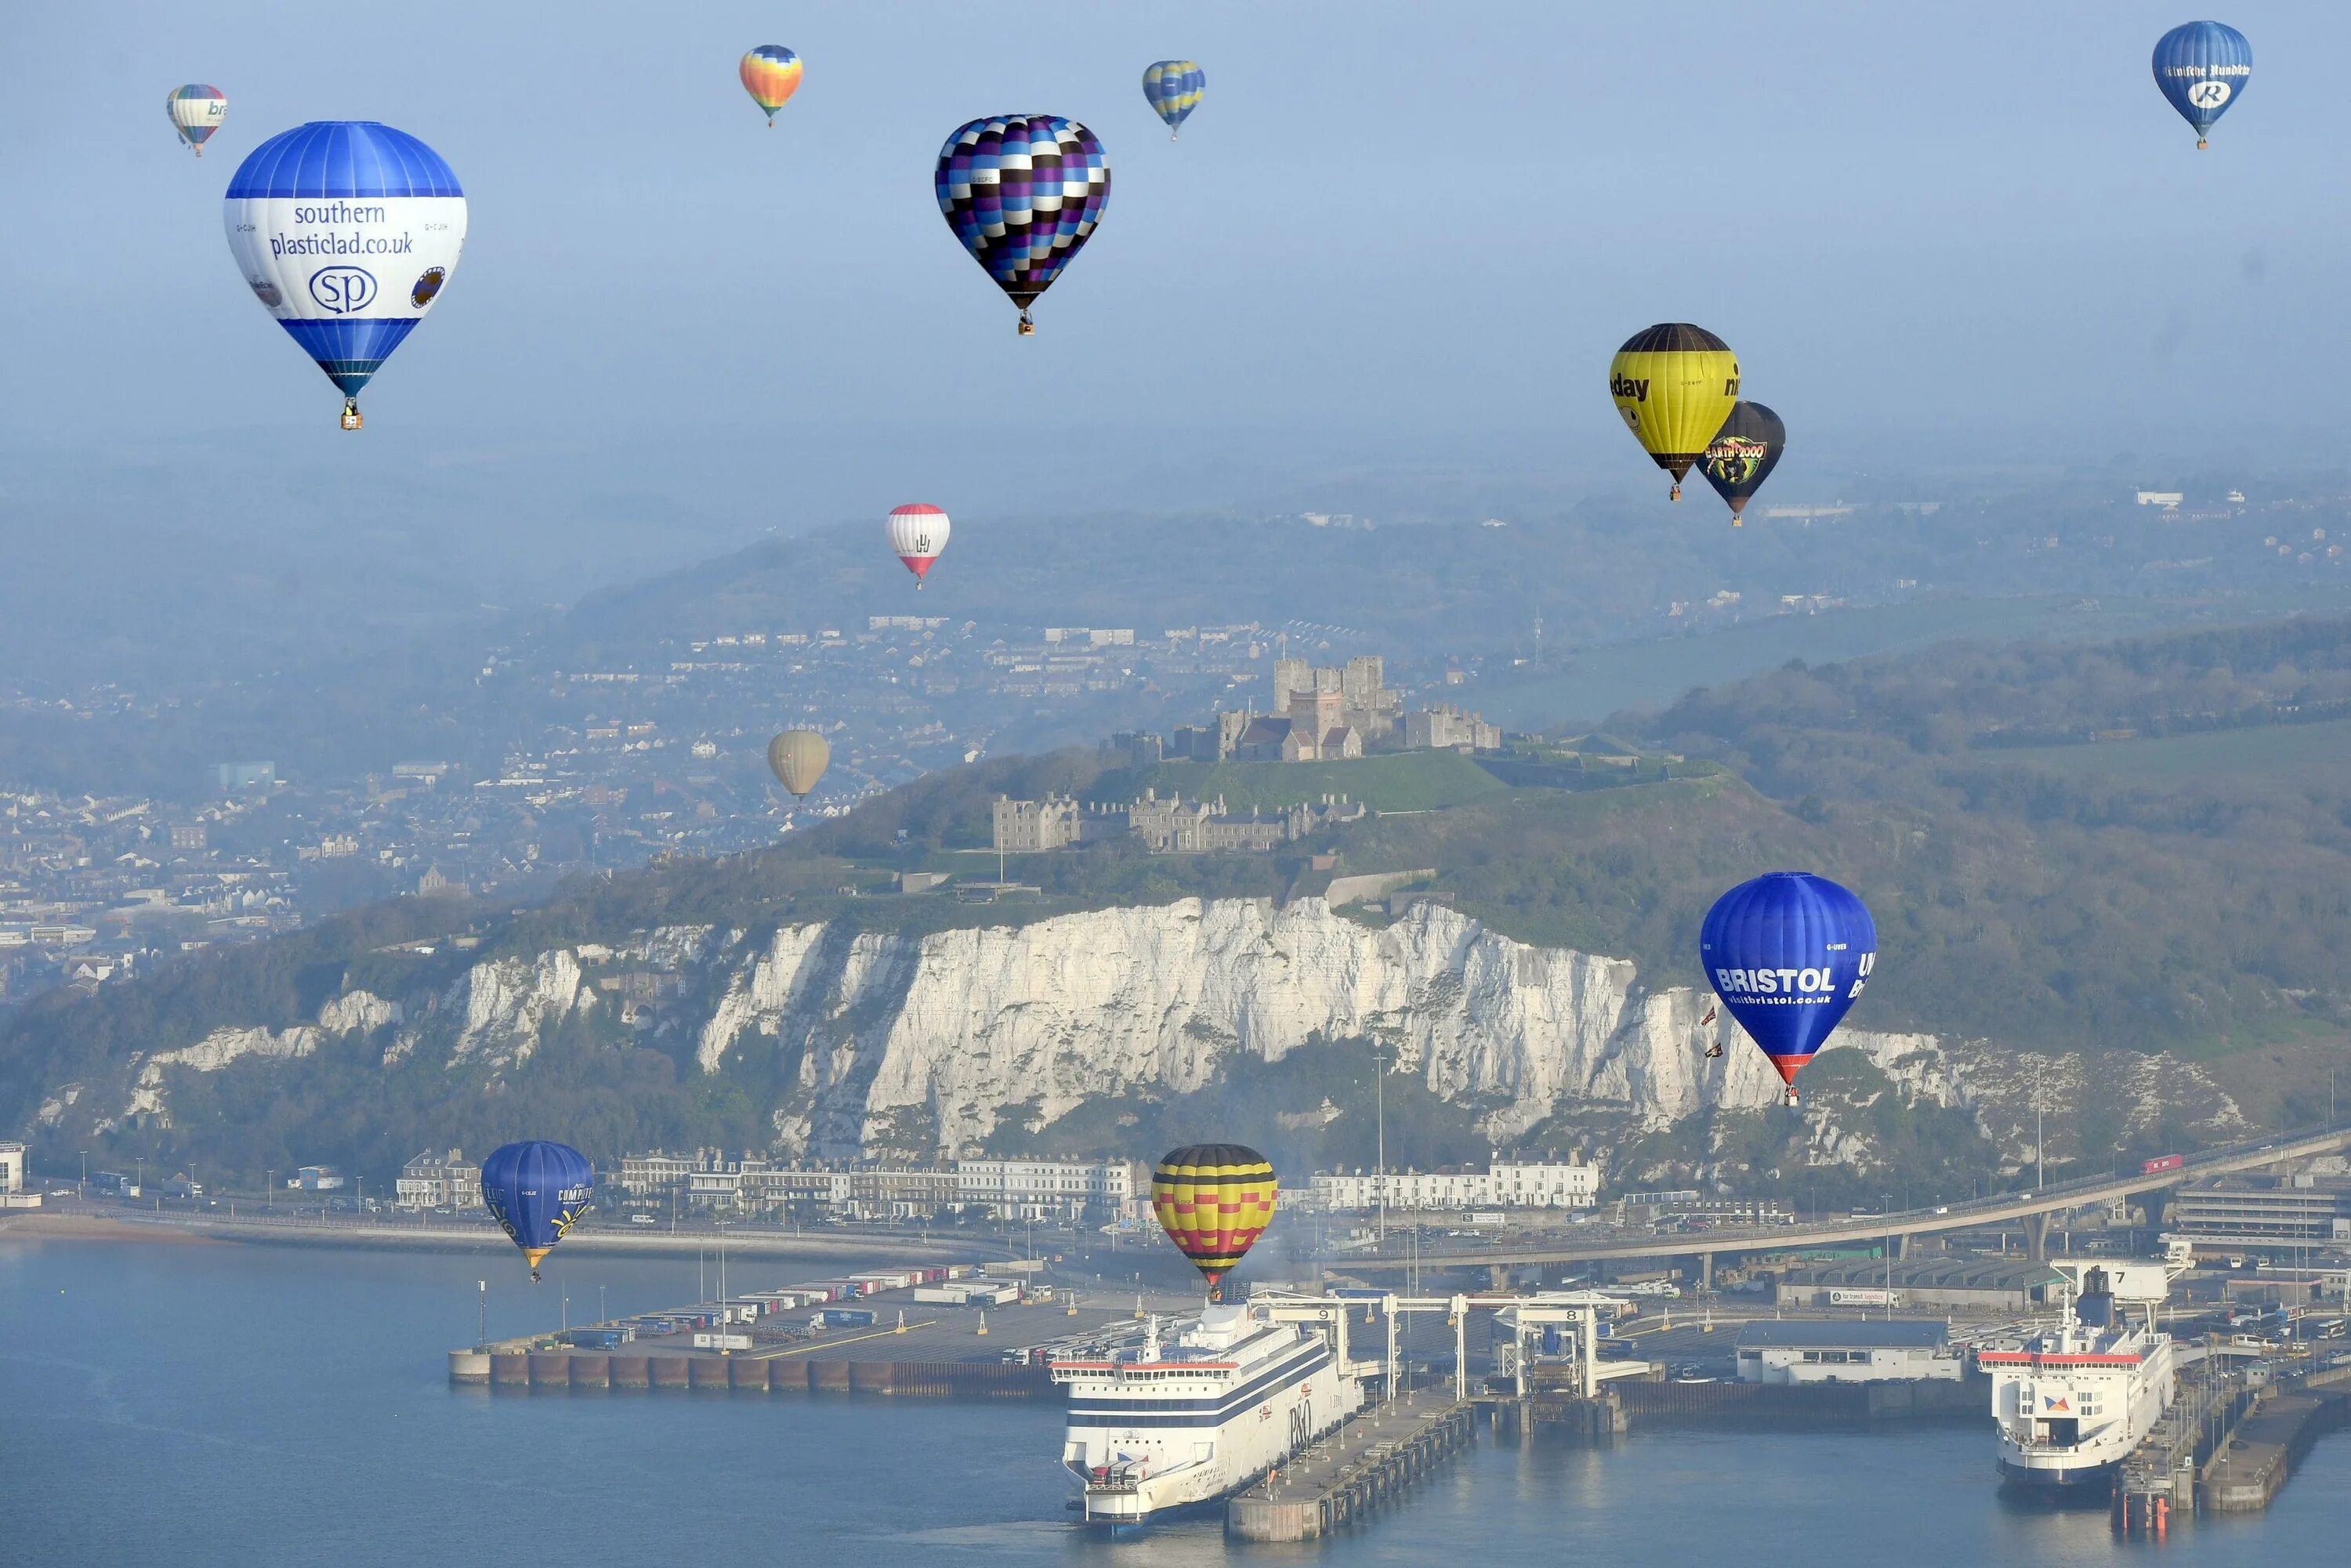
<point x="1174" y="90"/>
<point x="1023" y="192"/>
<point x="1213" y="1200"/>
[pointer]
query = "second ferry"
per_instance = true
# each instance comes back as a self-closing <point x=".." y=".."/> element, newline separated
<point x="1169" y="1425"/>
<point x="2073" y="1402"/>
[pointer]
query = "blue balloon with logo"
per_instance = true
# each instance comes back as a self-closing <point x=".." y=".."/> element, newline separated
<point x="1788" y="953"/>
<point x="2202" y="68"/>
<point x="537" y="1190"/>
<point x="347" y="232"/>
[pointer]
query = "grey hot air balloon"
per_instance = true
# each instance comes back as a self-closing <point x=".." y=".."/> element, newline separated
<point x="798" y="758"/>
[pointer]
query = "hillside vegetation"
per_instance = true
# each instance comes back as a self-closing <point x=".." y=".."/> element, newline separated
<point x="2196" y="910"/>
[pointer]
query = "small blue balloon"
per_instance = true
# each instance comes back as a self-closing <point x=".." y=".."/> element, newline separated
<point x="2202" y="66"/>
<point x="537" y="1190"/>
<point x="1788" y="953"/>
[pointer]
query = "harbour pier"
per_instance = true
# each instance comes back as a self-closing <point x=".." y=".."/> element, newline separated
<point x="2228" y="1445"/>
<point x="1367" y="1463"/>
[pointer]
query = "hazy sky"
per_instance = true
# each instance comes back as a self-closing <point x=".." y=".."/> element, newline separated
<point x="1406" y="231"/>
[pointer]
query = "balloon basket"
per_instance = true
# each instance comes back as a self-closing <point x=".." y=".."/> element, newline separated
<point x="1674" y="494"/>
<point x="2201" y="144"/>
<point x="351" y="421"/>
<point x="1027" y="327"/>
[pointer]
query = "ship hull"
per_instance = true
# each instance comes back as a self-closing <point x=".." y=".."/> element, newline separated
<point x="2086" y="1481"/>
<point x="1181" y="1456"/>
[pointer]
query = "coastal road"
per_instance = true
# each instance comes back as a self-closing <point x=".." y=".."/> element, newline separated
<point x="2032" y="1210"/>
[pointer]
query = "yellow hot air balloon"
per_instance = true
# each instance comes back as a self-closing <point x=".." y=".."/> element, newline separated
<point x="1213" y="1200"/>
<point x="1675" y="384"/>
<point x="798" y="758"/>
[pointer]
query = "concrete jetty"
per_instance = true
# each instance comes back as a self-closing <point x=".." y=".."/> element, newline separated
<point x="1368" y="1462"/>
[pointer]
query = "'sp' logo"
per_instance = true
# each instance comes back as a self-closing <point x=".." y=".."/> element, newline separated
<point x="2209" y="94"/>
<point x="339" y="290"/>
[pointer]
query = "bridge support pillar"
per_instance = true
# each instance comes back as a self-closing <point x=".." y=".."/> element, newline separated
<point x="1706" y="1270"/>
<point x="1497" y="1276"/>
<point x="2036" y="1237"/>
<point x="1902" y="1245"/>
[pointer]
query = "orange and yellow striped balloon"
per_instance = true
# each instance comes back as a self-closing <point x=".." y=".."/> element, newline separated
<point x="1213" y="1200"/>
<point x="771" y="74"/>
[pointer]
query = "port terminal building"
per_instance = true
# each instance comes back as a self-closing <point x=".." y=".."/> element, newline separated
<point x="1871" y="1350"/>
<point x="1961" y="1284"/>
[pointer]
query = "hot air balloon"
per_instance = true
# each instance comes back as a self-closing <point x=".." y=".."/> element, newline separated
<point x="799" y="758"/>
<point x="537" y="1190"/>
<point x="1788" y="953"/>
<point x="1675" y="384"/>
<point x="771" y="74"/>
<point x="196" y="111"/>
<point x="1742" y="455"/>
<point x="346" y="231"/>
<point x="1213" y="1200"/>
<point x="1173" y="89"/>
<point x="917" y="535"/>
<point x="2202" y="68"/>
<point x="1022" y="193"/>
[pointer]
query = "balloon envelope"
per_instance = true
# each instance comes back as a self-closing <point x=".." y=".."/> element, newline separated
<point x="1213" y="1200"/>
<point x="1674" y="384"/>
<point x="1022" y="193"/>
<point x="771" y="74"/>
<point x="537" y="1190"/>
<point x="917" y="535"/>
<point x="196" y="111"/>
<point x="1788" y="953"/>
<point x="1743" y="453"/>
<point x="346" y="231"/>
<point x="797" y="759"/>
<point x="2202" y="67"/>
<point x="1174" y="90"/>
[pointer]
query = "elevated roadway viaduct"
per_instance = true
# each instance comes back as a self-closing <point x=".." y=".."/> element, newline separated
<point x="2032" y="1211"/>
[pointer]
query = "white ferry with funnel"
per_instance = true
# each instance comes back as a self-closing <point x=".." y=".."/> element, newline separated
<point x="2071" y="1402"/>
<point x="1172" y="1424"/>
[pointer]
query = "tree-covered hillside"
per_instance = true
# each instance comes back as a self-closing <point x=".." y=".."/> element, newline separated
<point x="2196" y="910"/>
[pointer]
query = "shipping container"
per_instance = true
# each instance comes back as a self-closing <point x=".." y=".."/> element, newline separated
<point x="601" y="1339"/>
<point x="722" y="1342"/>
<point x="2167" y="1163"/>
<point x="847" y="1317"/>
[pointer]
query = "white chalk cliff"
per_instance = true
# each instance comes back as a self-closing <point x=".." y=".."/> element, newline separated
<point x="955" y="1031"/>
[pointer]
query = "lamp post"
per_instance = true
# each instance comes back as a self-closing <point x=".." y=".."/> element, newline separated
<point x="482" y="1291"/>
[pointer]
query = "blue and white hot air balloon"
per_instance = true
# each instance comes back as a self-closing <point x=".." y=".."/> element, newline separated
<point x="2203" y="68"/>
<point x="347" y="231"/>
<point x="1788" y="953"/>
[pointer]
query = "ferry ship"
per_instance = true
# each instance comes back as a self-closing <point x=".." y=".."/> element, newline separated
<point x="1169" y="1425"/>
<point x="2073" y="1401"/>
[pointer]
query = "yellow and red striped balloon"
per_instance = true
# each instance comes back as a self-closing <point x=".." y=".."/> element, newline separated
<point x="1213" y="1200"/>
<point x="771" y="74"/>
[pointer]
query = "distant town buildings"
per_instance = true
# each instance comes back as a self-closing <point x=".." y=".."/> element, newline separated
<point x="1013" y="1189"/>
<point x="439" y="1181"/>
<point x="1502" y="1185"/>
